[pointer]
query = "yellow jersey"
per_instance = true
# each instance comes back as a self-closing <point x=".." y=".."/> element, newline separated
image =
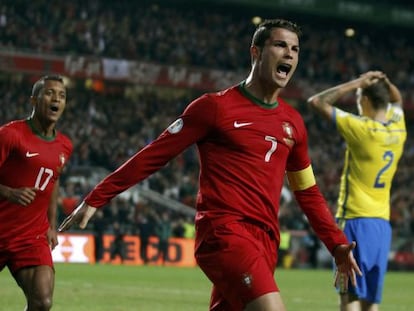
<point x="371" y="158"/>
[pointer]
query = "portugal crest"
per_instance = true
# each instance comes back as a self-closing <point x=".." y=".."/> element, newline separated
<point x="288" y="132"/>
<point x="62" y="162"/>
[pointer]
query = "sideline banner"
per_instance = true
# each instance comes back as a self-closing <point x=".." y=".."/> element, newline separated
<point x="80" y="248"/>
<point x="75" y="248"/>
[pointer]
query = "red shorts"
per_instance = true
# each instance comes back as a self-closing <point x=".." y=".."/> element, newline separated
<point x="30" y="253"/>
<point x="240" y="259"/>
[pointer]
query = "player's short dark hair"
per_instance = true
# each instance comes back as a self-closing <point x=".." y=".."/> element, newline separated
<point x="263" y="30"/>
<point x="378" y="93"/>
<point x="39" y="84"/>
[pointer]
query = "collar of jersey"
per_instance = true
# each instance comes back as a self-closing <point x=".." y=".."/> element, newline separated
<point x="261" y="103"/>
<point x="31" y="125"/>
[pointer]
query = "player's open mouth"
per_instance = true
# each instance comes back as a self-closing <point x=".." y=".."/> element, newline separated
<point x="283" y="69"/>
<point x="54" y="108"/>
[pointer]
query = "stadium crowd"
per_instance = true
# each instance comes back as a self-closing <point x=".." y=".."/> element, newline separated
<point x="212" y="38"/>
<point x="107" y="128"/>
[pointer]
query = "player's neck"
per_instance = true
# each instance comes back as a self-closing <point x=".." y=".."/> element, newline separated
<point x="376" y="114"/>
<point x="380" y="116"/>
<point x="257" y="100"/>
<point x="41" y="129"/>
<point x="267" y="95"/>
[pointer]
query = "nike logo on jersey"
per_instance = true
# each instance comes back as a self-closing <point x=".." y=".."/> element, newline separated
<point x="241" y="124"/>
<point x="30" y="155"/>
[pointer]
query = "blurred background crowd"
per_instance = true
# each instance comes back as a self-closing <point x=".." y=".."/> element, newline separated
<point x="110" y="123"/>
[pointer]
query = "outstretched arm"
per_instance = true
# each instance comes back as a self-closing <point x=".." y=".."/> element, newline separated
<point x="80" y="216"/>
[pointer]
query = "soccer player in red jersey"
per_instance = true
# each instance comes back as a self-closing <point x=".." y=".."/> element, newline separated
<point x="32" y="156"/>
<point x="248" y="138"/>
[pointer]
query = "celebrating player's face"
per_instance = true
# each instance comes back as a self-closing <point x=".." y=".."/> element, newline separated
<point x="279" y="57"/>
<point x="51" y="102"/>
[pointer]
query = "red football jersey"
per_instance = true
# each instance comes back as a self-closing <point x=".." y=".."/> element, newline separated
<point x="244" y="149"/>
<point x="28" y="160"/>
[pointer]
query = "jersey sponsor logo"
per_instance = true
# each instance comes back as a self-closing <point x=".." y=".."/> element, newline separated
<point x="241" y="124"/>
<point x="31" y="154"/>
<point x="176" y="126"/>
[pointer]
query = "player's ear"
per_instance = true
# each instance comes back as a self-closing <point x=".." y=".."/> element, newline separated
<point x="254" y="54"/>
<point x="365" y="99"/>
<point x="254" y="51"/>
<point x="33" y="101"/>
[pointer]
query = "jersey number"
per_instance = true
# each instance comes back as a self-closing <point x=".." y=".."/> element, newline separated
<point x="388" y="156"/>
<point x="272" y="147"/>
<point x="43" y="178"/>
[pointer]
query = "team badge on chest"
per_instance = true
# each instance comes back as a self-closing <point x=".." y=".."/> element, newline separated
<point x="288" y="131"/>
<point x="62" y="162"/>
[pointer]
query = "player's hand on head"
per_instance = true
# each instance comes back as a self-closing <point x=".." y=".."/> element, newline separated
<point x="346" y="264"/>
<point x="371" y="77"/>
<point x="79" y="216"/>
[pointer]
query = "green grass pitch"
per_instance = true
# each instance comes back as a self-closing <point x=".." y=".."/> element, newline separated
<point x="149" y="288"/>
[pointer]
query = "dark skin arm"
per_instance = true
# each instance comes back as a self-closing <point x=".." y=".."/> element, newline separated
<point x="51" y="215"/>
<point x="23" y="196"/>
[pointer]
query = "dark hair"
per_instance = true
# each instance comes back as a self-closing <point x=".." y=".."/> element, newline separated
<point x="378" y="93"/>
<point x="263" y="30"/>
<point x="39" y="84"/>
